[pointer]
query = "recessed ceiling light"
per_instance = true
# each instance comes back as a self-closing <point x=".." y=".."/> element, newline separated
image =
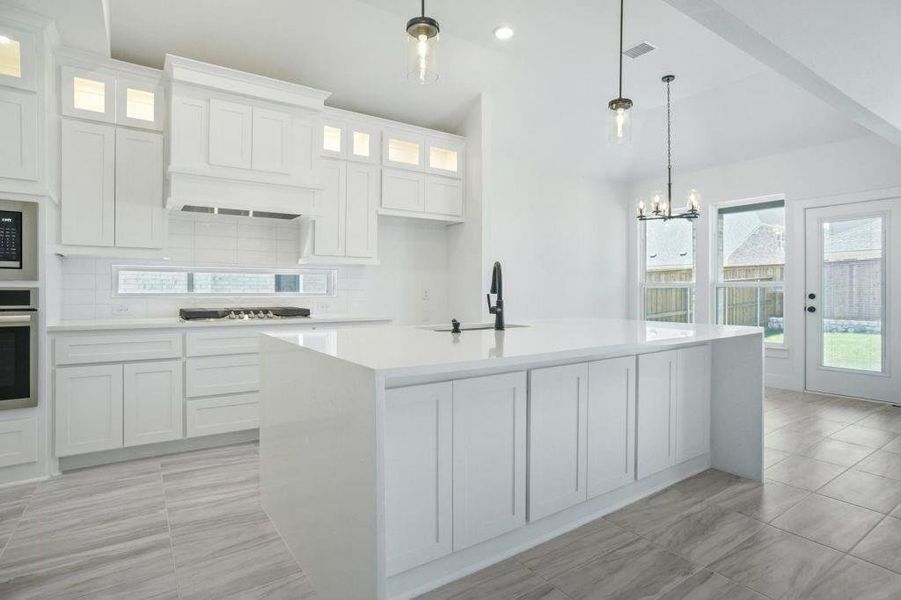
<point x="503" y="32"/>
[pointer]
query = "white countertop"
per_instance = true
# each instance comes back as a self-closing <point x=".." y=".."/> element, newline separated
<point x="176" y="322"/>
<point x="409" y="351"/>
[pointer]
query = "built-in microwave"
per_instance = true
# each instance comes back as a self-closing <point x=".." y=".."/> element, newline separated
<point x="18" y="348"/>
<point x="18" y="241"/>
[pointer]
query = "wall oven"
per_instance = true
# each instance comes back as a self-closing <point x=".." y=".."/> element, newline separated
<point x="18" y="348"/>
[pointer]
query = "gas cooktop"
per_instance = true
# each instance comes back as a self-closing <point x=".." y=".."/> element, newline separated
<point x="246" y="312"/>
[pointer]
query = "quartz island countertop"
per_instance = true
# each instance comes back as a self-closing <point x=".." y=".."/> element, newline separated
<point x="176" y="322"/>
<point x="419" y="350"/>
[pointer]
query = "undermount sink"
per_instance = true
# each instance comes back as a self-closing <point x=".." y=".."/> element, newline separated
<point x="475" y="327"/>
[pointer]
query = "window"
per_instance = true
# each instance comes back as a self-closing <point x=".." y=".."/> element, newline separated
<point x="750" y="268"/>
<point x="89" y="95"/>
<point x="162" y="281"/>
<point x="139" y="104"/>
<point x="668" y="274"/>
<point x="10" y="57"/>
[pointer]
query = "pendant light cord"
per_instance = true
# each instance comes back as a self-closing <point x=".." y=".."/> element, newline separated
<point x="669" y="152"/>
<point x="621" y="8"/>
<point x="423" y="8"/>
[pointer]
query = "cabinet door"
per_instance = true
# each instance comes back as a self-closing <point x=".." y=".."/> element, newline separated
<point x="230" y="134"/>
<point x="18" y="142"/>
<point x="331" y="210"/>
<point x="656" y="404"/>
<point x="558" y="407"/>
<point x="692" y="414"/>
<point x="403" y="190"/>
<point x="18" y="59"/>
<point x="402" y="149"/>
<point x="215" y="375"/>
<point x="363" y="143"/>
<point x="362" y="193"/>
<point x="489" y="457"/>
<point x="271" y="141"/>
<point x="418" y="444"/>
<point x="334" y="139"/>
<point x="153" y="402"/>
<point x="444" y="157"/>
<point x="88" y="409"/>
<point x="140" y="103"/>
<point x="140" y="216"/>
<point x="190" y="132"/>
<point x="88" y="93"/>
<point x="611" y="424"/>
<point x="443" y="196"/>
<point x="88" y="159"/>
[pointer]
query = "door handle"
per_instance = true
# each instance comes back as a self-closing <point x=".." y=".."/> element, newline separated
<point x="811" y="309"/>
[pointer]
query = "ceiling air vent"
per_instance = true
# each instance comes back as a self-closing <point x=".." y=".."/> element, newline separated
<point x="639" y="50"/>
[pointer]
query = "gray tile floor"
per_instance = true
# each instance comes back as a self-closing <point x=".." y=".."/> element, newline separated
<point x="825" y="525"/>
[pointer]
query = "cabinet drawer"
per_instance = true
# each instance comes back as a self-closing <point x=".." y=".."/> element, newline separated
<point x="74" y="350"/>
<point x="215" y="343"/>
<point x="215" y="375"/>
<point x="207" y="416"/>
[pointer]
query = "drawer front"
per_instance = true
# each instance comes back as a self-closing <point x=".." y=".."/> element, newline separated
<point x="74" y="350"/>
<point x="217" y="343"/>
<point x="207" y="416"/>
<point x="217" y="375"/>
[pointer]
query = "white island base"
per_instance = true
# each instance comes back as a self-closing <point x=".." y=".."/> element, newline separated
<point x="397" y="459"/>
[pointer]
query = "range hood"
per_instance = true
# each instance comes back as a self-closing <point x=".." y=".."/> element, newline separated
<point x="202" y="193"/>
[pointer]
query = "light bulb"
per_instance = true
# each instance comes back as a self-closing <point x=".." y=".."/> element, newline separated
<point x="619" y="128"/>
<point x="620" y="120"/>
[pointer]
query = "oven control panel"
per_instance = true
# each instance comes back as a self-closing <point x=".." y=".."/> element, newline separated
<point x="10" y="239"/>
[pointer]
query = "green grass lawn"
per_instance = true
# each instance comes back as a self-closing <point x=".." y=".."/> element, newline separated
<point x="845" y="350"/>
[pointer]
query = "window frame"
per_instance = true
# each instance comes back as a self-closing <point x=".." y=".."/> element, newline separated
<point x="331" y="287"/>
<point x="644" y="285"/>
<point x="716" y="263"/>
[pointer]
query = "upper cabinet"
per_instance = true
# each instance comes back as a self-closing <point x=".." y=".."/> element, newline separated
<point x="88" y="93"/>
<point x="140" y="102"/>
<point x="350" y="137"/>
<point x="402" y="149"/>
<point x="18" y="58"/>
<point x="112" y="92"/>
<point x="444" y="157"/>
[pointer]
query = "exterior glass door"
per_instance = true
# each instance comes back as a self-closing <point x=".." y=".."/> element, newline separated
<point x="851" y="296"/>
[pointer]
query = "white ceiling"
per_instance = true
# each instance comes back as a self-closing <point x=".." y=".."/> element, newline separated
<point x="558" y="72"/>
<point x="81" y="23"/>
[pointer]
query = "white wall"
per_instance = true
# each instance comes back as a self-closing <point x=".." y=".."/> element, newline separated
<point x="410" y="284"/>
<point x="817" y="175"/>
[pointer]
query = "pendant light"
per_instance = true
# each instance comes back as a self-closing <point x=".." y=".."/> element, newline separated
<point x="663" y="209"/>
<point x="619" y="117"/>
<point x="422" y="46"/>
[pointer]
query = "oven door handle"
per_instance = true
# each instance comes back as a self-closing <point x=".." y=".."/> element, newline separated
<point x="15" y="319"/>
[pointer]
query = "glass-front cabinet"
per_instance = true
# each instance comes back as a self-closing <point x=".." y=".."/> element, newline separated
<point x="402" y="149"/>
<point x="350" y="140"/>
<point x="445" y="157"/>
<point x="18" y="58"/>
<point x="102" y="94"/>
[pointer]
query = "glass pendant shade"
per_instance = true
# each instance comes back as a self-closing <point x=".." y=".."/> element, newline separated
<point x="422" y="50"/>
<point x="619" y="121"/>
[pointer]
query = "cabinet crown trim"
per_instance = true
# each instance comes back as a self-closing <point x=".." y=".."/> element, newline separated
<point x="186" y="70"/>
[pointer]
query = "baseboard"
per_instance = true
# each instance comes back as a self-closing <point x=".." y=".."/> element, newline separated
<point x="81" y="461"/>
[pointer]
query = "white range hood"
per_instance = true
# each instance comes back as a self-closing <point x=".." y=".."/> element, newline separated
<point x="242" y="144"/>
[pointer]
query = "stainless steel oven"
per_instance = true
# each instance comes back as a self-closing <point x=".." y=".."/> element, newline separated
<point x="18" y="349"/>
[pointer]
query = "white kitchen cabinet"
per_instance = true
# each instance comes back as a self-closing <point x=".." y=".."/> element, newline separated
<point x="216" y="375"/>
<point x="361" y="210"/>
<point x="18" y="441"/>
<point x="231" y="127"/>
<point x="444" y="157"/>
<point x="611" y="424"/>
<point x="489" y="457"/>
<point x="190" y="132"/>
<point x="673" y="408"/>
<point x="403" y="190"/>
<point x="88" y="93"/>
<point x="140" y="216"/>
<point x="692" y="413"/>
<point x="140" y="103"/>
<point x="403" y="149"/>
<point x="222" y="414"/>
<point x="153" y="402"/>
<point x="331" y="210"/>
<point x="418" y="475"/>
<point x="87" y="183"/>
<point x="272" y="142"/>
<point x="443" y="196"/>
<point x="215" y="342"/>
<point x="558" y="407"/>
<point x="19" y="139"/>
<point x="88" y="409"/>
<point x="116" y="347"/>
<point x="353" y="139"/>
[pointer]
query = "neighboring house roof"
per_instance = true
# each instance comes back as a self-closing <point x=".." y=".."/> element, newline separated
<point x="764" y="245"/>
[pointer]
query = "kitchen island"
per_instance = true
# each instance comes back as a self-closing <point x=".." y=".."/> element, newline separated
<point x="396" y="459"/>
